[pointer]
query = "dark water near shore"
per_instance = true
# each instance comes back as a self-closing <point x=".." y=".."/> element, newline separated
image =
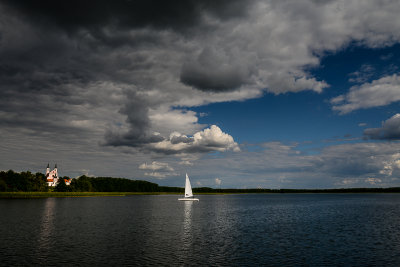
<point x="220" y="230"/>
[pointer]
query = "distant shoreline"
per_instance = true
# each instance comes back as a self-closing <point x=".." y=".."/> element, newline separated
<point x="29" y="185"/>
<point x="16" y="195"/>
<point x="27" y="195"/>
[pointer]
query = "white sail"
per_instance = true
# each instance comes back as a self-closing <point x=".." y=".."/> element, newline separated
<point x="188" y="191"/>
<point x="188" y="187"/>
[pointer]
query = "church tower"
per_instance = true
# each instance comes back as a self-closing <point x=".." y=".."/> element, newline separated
<point x="55" y="174"/>
<point x="52" y="176"/>
<point x="55" y="171"/>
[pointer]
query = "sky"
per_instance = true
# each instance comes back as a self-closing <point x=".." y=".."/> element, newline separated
<point x="238" y="94"/>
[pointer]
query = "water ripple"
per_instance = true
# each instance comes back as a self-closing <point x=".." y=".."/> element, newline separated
<point x="230" y="230"/>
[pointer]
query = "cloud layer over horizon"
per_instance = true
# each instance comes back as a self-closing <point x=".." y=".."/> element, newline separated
<point x="125" y="76"/>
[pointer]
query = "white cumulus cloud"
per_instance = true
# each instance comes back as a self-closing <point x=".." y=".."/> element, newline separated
<point x="158" y="170"/>
<point x="373" y="181"/>
<point x="155" y="166"/>
<point x="381" y="92"/>
<point x="210" y="139"/>
<point x="390" y="130"/>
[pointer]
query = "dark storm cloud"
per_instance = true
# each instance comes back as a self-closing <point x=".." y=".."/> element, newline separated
<point x="37" y="83"/>
<point x="49" y="79"/>
<point x="76" y="14"/>
<point x="213" y="71"/>
<point x="59" y="57"/>
<point x="131" y="138"/>
<point x="136" y="111"/>
<point x="390" y="130"/>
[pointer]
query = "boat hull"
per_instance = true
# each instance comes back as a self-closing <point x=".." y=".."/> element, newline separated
<point x="188" y="199"/>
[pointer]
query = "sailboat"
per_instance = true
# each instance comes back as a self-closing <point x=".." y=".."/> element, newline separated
<point x="188" y="191"/>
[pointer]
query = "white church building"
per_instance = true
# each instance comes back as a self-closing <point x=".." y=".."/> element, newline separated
<point x="52" y="177"/>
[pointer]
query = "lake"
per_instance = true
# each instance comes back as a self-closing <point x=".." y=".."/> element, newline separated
<point x="219" y="230"/>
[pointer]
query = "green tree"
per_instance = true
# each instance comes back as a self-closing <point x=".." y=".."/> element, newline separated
<point x="82" y="184"/>
<point x="15" y="181"/>
<point x="40" y="182"/>
<point x="61" y="186"/>
<point x="3" y="186"/>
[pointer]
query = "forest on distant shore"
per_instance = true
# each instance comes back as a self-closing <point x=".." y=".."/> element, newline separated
<point x="11" y="181"/>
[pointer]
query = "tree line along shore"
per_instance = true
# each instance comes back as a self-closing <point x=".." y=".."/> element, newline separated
<point x="27" y="184"/>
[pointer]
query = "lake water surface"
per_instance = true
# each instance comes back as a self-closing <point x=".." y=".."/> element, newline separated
<point x="219" y="230"/>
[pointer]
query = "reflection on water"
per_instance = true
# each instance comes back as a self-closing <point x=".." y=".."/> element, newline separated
<point x="186" y="234"/>
<point x="187" y="225"/>
<point x="46" y="228"/>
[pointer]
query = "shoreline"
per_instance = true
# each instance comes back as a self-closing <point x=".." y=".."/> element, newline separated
<point x="27" y="195"/>
<point x="19" y="195"/>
